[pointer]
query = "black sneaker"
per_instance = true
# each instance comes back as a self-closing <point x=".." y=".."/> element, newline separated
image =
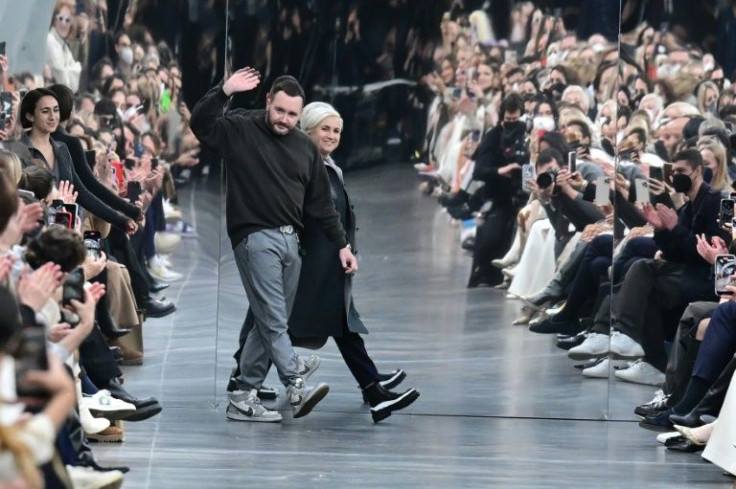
<point x="388" y="381"/>
<point x="653" y="407"/>
<point x="661" y="422"/>
<point x="384" y="402"/>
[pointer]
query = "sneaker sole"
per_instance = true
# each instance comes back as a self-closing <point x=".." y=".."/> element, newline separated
<point x="580" y="355"/>
<point x="112" y="415"/>
<point x="145" y="413"/>
<point x="318" y="394"/>
<point x="397" y="379"/>
<point x="106" y="438"/>
<point x="386" y="408"/>
<point x="234" y="414"/>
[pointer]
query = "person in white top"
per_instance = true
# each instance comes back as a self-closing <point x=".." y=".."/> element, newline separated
<point x="59" y="58"/>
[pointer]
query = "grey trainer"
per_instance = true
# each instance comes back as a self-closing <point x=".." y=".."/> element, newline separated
<point x="303" y="397"/>
<point x="309" y="366"/>
<point x="245" y="406"/>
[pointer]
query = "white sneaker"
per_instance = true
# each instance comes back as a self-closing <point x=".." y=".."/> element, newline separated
<point x="159" y="270"/>
<point x="594" y="346"/>
<point x="245" y="406"/>
<point x="599" y="370"/>
<point x="88" y="478"/>
<point x="102" y="404"/>
<point x="641" y="372"/>
<point x="171" y="213"/>
<point x="623" y="346"/>
<point x="90" y="424"/>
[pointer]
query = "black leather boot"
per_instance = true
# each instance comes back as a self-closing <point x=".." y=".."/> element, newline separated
<point x="107" y="324"/>
<point x="712" y="402"/>
<point x="384" y="402"/>
<point x="144" y="408"/>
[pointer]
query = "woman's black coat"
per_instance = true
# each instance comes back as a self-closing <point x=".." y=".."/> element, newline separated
<point x="324" y="301"/>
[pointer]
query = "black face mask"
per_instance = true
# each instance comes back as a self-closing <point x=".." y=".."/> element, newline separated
<point x="513" y="127"/>
<point x="682" y="183"/>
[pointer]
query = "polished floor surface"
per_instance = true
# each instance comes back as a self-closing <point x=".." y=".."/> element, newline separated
<point x="499" y="406"/>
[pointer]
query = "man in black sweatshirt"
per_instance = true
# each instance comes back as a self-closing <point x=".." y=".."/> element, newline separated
<point x="274" y="176"/>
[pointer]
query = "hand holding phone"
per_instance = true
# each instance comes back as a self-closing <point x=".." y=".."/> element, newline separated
<point x="572" y="160"/>
<point x="725" y="269"/>
<point x="726" y="213"/>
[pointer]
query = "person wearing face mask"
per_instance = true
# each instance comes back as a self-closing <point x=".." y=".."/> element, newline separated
<point x="498" y="160"/>
<point x="124" y="51"/>
<point x="64" y="68"/>
<point x="681" y="276"/>
<point x="707" y="97"/>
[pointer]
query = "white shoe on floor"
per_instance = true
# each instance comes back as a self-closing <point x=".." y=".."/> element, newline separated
<point x="88" y="478"/>
<point x="623" y="346"/>
<point x="157" y="268"/>
<point x="102" y="404"/>
<point x="166" y="242"/>
<point x="599" y="370"/>
<point x="641" y="372"/>
<point x="595" y="345"/>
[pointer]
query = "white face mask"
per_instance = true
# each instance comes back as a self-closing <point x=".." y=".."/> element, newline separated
<point x="544" y="122"/>
<point x="127" y="56"/>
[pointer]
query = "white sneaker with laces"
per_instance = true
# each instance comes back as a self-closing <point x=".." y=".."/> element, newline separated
<point x="623" y="346"/>
<point x="103" y="404"/>
<point x="599" y="370"/>
<point x="595" y="345"/>
<point x="307" y="367"/>
<point x="663" y="437"/>
<point x="641" y="372"/>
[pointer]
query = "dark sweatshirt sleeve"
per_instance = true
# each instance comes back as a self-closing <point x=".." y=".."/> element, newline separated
<point x="209" y="122"/>
<point x="318" y="203"/>
<point x="81" y="168"/>
<point x="90" y="202"/>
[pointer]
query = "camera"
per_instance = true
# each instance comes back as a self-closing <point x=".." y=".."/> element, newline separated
<point x="546" y="179"/>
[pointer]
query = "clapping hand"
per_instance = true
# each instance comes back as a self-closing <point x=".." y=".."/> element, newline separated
<point x="709" y="251"/>
<point x="66" y="192"/>
<point x="241" y="81"/>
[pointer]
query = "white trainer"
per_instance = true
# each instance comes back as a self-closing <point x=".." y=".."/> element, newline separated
<point x="641" y="372"/>
<point x="623" y="346"/>
<point x="595" y="345"/>
<point x="245" y="406"/>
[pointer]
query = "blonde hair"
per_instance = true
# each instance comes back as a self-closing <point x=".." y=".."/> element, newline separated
<point x="721" y="180"/>
<point x="10" y="164"/>
<point x="314" y="113"/>
<point x="22" y="455"/>
<point x="479" y="19"/>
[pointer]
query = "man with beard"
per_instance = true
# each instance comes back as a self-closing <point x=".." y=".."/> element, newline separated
<point x="498" y="162"/>
<point x="275" y="175"/>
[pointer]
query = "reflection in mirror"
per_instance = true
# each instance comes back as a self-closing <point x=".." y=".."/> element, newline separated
<point x="674" y="160"/>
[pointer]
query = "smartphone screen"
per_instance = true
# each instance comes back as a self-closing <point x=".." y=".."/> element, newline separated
<point x="2" y="48"/>
<point x="656" y="173"/>
<point x="92" y="243"/>
<point x="603" y="190"/>
<point x="73" y="287"/>
<point x="72" y="209"/>
<point x="475" y="135"/>
<point x="572" y="161"/>
<point x="725" y="268"/>
<point x="154" y="163"/>
<point x="30" y="355"/>
<point x="64" y="218"/>
<point x="134" y="191"/>
<point x="129" y="164"/>
<point x="725" y="216"/>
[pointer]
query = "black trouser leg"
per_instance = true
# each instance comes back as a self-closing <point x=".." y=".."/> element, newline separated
<point x="97" y="359"/>
<point x="492" y="240"/>
<point x="123" y="251"/>
<point x="356" y="357"/>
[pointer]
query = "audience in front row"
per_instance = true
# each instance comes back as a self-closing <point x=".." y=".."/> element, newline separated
<point x="601" y="203"/>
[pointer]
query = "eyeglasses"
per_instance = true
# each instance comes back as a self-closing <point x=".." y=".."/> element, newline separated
<point x="63" y="18"/>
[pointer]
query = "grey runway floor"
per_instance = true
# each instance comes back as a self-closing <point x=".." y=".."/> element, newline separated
<point x="499" y="406"/>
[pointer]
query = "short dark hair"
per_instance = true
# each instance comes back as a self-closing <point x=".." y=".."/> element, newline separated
<point x="692" y="156"/>
<point x="65" y="96"/>
<point x="547" y="156"/>
<point x="289" y="85"/>
<point x="584" y="128"/>
<point x="511" y="103"/>
<point x="58" y="245"/>
<point x="28" y="105"/>
<point x="38" y="180"/>
<point x="641" y="133"/>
